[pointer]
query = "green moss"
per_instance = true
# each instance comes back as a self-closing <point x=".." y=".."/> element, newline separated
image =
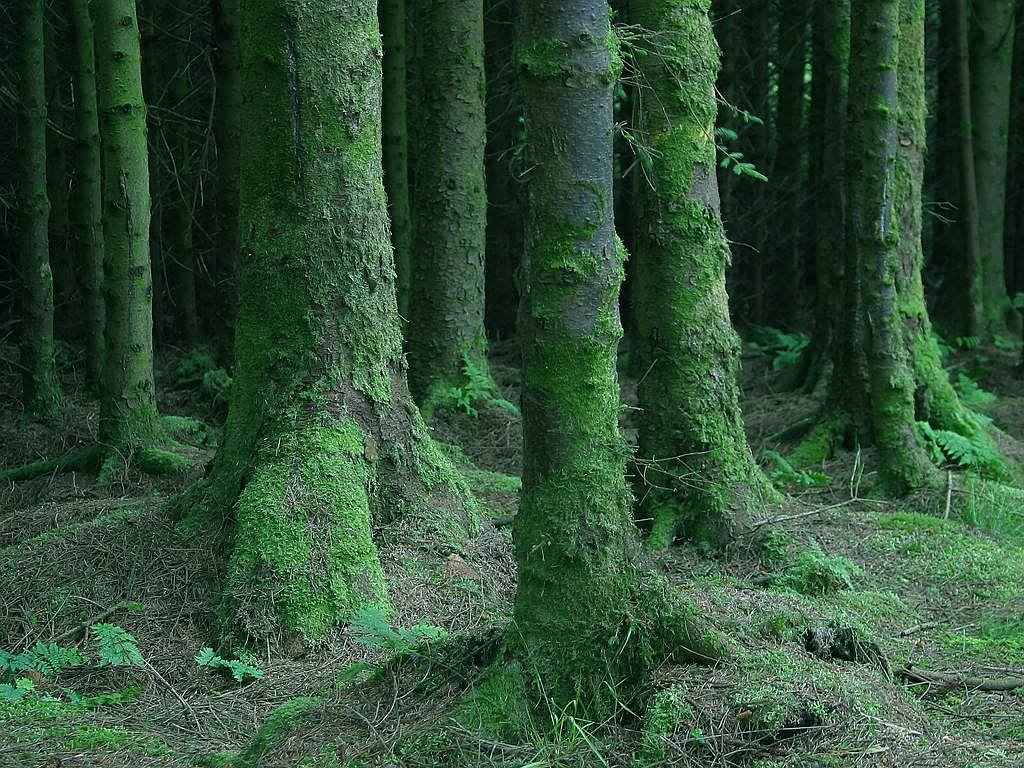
<point x="821" y="443"/>
<point x="286" y="718"/>
<point x="303" y="556"/>
<point x="667" y="711"/>
<point x="498" y="704"/>
<point x="813" y="572"/>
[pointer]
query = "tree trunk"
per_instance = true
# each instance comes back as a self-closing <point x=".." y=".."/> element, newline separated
<point x="180" y="256"/>
<point x="690" y="423"/>
<point x="991" y="63"/>
<point x="87" y="205"/>
<point x="41" y="395"/>
<point x="128" y="415"/>
<point x="505" y="203"/>
<point x="787" y="176"/>
<point x="446" y="335"/>
<point x="227" y="132"/>
<point x="322" y="439"/>
<point x="973" y="303"/>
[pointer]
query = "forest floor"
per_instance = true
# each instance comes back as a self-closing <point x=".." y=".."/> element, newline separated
<point x="863" y="628"/>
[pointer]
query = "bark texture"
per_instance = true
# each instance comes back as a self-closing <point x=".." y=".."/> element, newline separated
<point x="698" y="477"/>
<point x="322" y="440"/>
<point x="41" y="394"/>
<point x="446" y="335"/>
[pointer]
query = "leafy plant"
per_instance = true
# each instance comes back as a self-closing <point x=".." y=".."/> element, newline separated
<point x="786" y="475"/>
<point x="44" y="658"/>
<point x="12" y="693"/>
<point x="477" y="387"/>
<point x="783" y="348"/>
<point x="240" y="669"/>
<point x="734" y="160"/>
<point x="372" y="628"/>
<point x="975" y="453"/>
<point x="116" y="646"/>
<point x="972" y="394"/>
<point x="815" y="573"/>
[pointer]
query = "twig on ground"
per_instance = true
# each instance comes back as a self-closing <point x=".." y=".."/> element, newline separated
<point x="76" y="630"/>
<point x="910" y="674"/>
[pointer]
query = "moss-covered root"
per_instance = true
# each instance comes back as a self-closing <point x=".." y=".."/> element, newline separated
<point x="823" y="440"/>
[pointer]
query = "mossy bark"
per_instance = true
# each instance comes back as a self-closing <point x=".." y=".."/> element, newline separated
<point x="396" y="145"/>
<point x="446" y="334"/>
<point x="579" y="614"/>
<point x="991" y="61"/>
<point x="322" y="440"/>
<point x="697" y="476"/>
<point x="128" y="413"/>
<point x="227" y="133"/>
<point x="87" y="193"/>
<point x="41" y="394"/>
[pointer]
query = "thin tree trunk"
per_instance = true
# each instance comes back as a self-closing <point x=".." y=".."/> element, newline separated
<point x="227" y="132"/>
<point x="87" y="206"/>
<point x="41" y="395"/>
<point x="991" y="64"/>
<point x="690" y="423"/>
<point x="396" y="145"/>
<point x="447" y="342"/>
<point x="128" y="416"/>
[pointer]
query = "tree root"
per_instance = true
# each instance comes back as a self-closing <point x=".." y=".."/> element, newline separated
<point x="102" y="461"/>
<point x="951" y="680"/>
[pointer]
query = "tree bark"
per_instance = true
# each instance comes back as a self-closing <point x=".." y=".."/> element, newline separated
<point x="128" y="414"/>
<point x="991" y="65"/>
<point x="322" y="440"/>
<point x="41" y="394"/>
<point x="690" y="423"/>
<point x="87" y="205"/>
<point x="446" y="335"/>
<point x="396" y="145"/>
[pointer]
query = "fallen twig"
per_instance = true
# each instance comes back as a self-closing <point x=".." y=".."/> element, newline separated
<point x="77" y="630"/>
<point x="913" y="675"/>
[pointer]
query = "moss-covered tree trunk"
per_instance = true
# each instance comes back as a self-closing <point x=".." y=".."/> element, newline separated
<point x="41" y="395"/>
<point x="227" y="133"/>
<point x="446" y="335"/>
<point x="396" y="145"/>
<point x="322" y="439"/>
<point x="128" y="415"/>
<point x="87" y="206"/>
<point x="991" y="62"/>
<point x="698" y="476"/>
<point x="787" y="177"/>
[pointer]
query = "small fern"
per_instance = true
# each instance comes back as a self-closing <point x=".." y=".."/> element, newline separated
<point x="12" y="693"/>
<point x="971" y="394"/>
<point x="974" y="453"/>
<point x="116" y="646"/>
<point x="240" y="669"/>
<point x="786" y="475"/>
<point x="477" y="387"/>
<point x="44" y="658"/>
<point x="783" y="348"/>
<point x="372" y="628"/>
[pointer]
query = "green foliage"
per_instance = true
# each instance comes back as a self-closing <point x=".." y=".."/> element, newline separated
<point x="734" y="160"/>
<point x="971" y="394"/>
<point x="240" y="669"/>
<point x="372" y="628"/>
<point x="44" y="658"/>
<point x="993" y="507"/>
<point x="11" y="693"/>
<point x="974" y="453"/>
<point x="117" y="648"/>
<point x="815" y="573"/>
<point x="783" y="348"/>
<point x="785" y="475"/>
<point x="476" y="387"/>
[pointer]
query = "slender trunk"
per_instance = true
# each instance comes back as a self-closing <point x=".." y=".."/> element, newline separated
<point x="396" y="145"/>
<point x="690" y="424"/>
<point x="87" y="206"/>
<point x="447" y="343"/>
<point x="227" y="132"/>
<point x="504" y="192"/>
<point x="322" y="439"/>
<point x="180" y="256"/>
<point x="128" y="414"/>
<point x="991" y="65"/>
<point x="67" y="317"/>
<point x="787" y="178"/>
<point x="973" y="303"/>
<point x="41" y="395"/>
